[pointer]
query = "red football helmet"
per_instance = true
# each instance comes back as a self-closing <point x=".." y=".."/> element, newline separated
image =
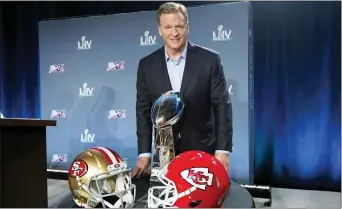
<point x="192" y="179"/>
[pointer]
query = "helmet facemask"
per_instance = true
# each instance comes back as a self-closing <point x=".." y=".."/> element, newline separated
<point x="162" y="196"/>
<point x="112" y="189"/>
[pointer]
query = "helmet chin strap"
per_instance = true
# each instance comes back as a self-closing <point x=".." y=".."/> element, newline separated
<point x="81" y="184"/>
<point x="168" y="187"/>
<point x="127" y="197"/>
<point x="120" y="186"/>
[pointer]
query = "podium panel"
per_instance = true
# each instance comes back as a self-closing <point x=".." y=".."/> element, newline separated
<point x="23" y="182"/>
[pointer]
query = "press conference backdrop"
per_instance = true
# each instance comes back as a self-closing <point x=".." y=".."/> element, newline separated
<point x="88" y="70"/>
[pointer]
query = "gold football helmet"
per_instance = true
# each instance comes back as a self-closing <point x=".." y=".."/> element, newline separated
<point x="100" y="176"/>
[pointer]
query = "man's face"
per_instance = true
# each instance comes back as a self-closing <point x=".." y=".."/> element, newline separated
<point x="174" y="30"/>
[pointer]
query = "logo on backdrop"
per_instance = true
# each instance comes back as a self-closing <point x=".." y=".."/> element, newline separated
<point x="84" y="44"/>
<point x="147" y="40"/>
<point x="120" y="65"/>
<point x="117" y="114"/>
<point x="58" y="113"/>
<point x="87" y="137"/>
<point x="221" y="34"/>
<point x="56" y="68"/>
<point x="59" y="158"/>
<point x="230" y="89"/>
<point x="86" y="91"/>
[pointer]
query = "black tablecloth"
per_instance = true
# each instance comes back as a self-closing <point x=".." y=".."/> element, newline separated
<point x="237" y="196"/>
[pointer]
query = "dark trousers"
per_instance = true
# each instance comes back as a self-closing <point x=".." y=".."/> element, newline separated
<point x="178" y="146"/>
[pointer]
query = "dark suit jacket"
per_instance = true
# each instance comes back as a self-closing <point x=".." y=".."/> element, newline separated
<point x="207" y="120"/>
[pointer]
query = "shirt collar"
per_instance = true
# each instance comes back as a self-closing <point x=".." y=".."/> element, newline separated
<point x="183" y="55"/>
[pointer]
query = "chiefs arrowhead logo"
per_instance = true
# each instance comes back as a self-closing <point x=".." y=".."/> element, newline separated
<point x="198" y="177"/>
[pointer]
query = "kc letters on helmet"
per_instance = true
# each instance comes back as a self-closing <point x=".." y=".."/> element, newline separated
<point x="192" y="179"/>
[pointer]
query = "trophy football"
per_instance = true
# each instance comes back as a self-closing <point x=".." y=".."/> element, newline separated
<point x="166" y="112"/>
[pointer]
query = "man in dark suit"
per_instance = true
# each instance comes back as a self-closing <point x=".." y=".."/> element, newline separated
<point x="197" y="73"/>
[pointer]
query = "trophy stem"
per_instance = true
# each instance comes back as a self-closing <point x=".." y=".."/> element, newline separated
<point x="164" y="150"/>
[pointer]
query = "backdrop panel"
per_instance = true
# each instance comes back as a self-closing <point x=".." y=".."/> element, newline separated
<point x="88" y="72"/>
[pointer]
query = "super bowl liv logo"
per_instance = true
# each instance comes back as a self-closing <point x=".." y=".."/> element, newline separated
<point x="84" y="44"/>
<point x="147" y="39"/>
<point x="86" y="91"/>
<point x="230" y="90"/>
<point x="221" y="34"/>
<point x="87" y="137"/>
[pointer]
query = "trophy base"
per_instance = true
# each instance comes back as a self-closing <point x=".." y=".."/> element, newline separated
<point x="154" y="175"/>
<point x="154" y="180"/>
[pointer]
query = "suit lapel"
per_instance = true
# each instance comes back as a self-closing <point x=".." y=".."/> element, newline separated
<point x="189" y="69"/>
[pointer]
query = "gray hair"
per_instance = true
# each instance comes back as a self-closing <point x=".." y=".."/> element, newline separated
<point x="172" y="7"/>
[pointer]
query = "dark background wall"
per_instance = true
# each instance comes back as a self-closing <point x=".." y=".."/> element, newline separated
<point x="297" y="51"/>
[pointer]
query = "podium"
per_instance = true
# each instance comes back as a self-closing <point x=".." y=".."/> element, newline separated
<point x="23" y="170"/>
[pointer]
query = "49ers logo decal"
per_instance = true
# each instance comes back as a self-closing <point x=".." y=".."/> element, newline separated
<point x="78" y="168"/>
<point x="198" y="177"/>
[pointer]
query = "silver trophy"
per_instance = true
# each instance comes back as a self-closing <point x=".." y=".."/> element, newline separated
<point x="166" y="112"/>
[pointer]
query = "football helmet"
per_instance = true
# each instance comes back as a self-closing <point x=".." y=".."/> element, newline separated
<point x="192" y="179"/>
<point x="99" y="177"/>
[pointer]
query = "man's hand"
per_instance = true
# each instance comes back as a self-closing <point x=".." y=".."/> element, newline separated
<point x="224" y="159"/>
<point x="142" y="166"/>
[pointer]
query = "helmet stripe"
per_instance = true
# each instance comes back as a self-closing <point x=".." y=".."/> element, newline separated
<point x="112" y="156"/>
<point x="112" y="159"/>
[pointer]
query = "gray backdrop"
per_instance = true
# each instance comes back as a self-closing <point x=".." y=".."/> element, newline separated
<point x="88" y="73"/>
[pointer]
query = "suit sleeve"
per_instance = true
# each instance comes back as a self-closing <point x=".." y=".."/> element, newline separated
<point x="222" y="107"/>
<point x="143" y="113"/>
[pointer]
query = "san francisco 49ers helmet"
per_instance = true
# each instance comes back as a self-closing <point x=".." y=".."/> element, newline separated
<point x="99" y="177"/>
<point x="192" y="179"/>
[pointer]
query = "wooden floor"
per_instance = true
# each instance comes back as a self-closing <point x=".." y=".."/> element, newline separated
<point x="281" y="198"/>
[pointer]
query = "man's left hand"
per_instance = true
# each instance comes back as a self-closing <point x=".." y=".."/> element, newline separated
<point x="224" y="159"/>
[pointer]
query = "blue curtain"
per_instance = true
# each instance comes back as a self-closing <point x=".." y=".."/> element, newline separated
<point x="297" y="81"/>
<point x="19" y="61"/>
<point x="2" y="66"/>
<point x="298" y="94"/>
